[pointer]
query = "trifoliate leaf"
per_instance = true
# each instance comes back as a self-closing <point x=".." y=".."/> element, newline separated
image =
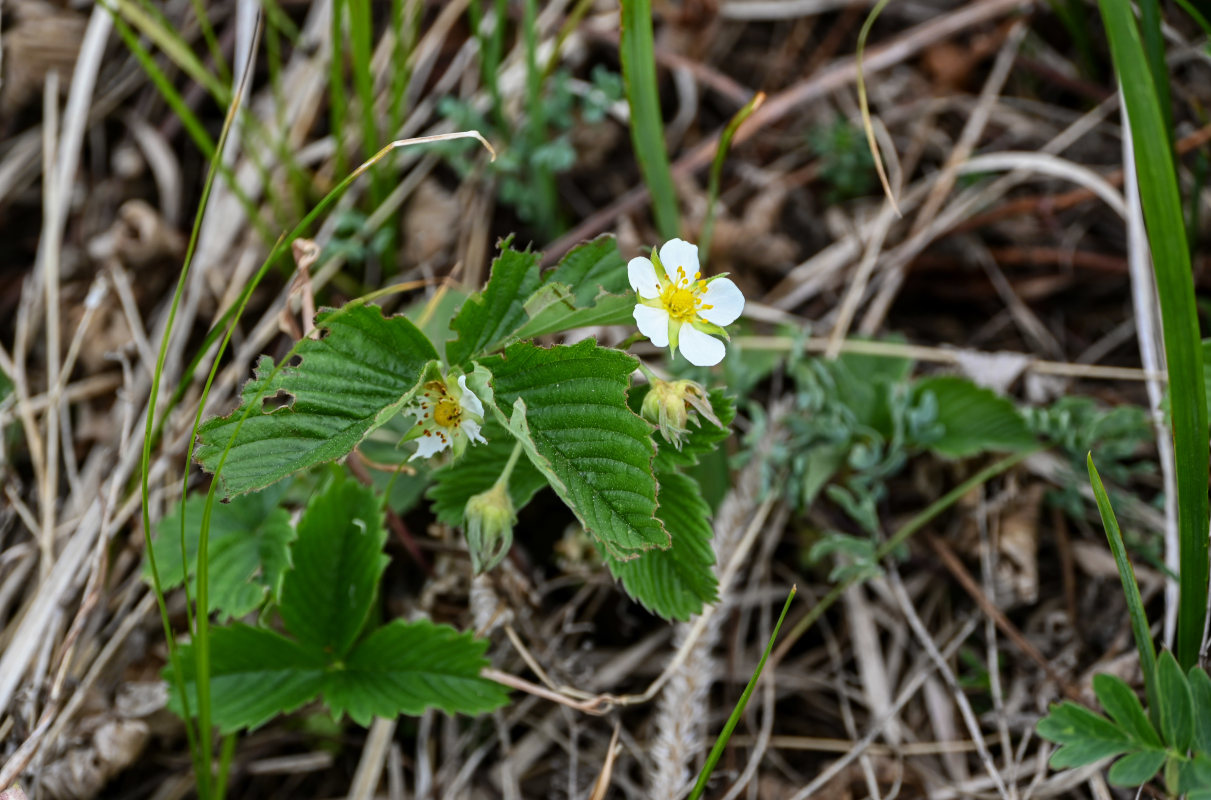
<point x="407" y="667"/>
<point x="568" y="407"/>
<point x="674" y="583"/>
<point x="249" y="543"/>
<point x="1176" y="703"/>
<point x="255" y="674"/>
<point x="1087" y="737"/>
<point x="362" y="371"/>
<point x="1200" y="692"/>
<point x="1136" y="768"/>
<point x="1124" y="707"/>
<point x="487" y="319"/>
<point x="973" y="419"/>
<point x="338" y="560"/>
<point x="454" y="484"/>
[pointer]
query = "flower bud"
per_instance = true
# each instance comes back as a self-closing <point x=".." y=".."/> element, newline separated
<point x="671" y="405"/>
<point x="490" y="519"/>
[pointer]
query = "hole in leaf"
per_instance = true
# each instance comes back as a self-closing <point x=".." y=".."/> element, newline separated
<point x="282" y="399"/>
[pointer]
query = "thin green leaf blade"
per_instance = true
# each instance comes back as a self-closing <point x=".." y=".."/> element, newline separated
<point x="363" y="369"/>
<point x="407" y="667"/>
<point x="338" y="560"/>
<point x="637" y="54"/>
<point x="1160" y="197"/>
<point x="724" y="735"/>
<point x="568" y="407"/>
<point x="487" y="319"/>
<point x="255" y="674"/>
<point x="1131" y="589"/>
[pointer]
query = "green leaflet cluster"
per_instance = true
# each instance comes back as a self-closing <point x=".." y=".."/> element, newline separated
<point x="331" y="648"/>
<point x="567" y="406"/>
<point x="1174" y="739"/>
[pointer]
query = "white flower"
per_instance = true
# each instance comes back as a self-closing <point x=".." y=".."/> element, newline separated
<point x="680" y="309"/>
<point x="448" y="415"/>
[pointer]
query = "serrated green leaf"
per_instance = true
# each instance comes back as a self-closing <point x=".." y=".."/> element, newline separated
<point x="363" y="371"/>
<point x="1124" y="707"/>
<point x="674" y="583"/>
<point x="974" y="419"/>
<point x="568" y="407"/>
<point x="1176" y="703"/>
<point x="338" y="560"/>
<point x="255" y="674"/>
<point x="249" y="549"/>
<point x="407" y="667"/>
<point x="1087" y="737"/>
<point x="592" y="268"/>
<point x="455" y="483"/>
<point x="1200" y="693"/>
<point x="554" y="310"/>
<point x="587" y="287"/>
<point x="487" y="319"/>
<point x="1137" y="768"/>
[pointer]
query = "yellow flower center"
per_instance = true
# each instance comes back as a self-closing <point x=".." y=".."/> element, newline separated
<point x="447" y="413"/>
<point x="683" y="299"/>
<point x="680" y="303"/>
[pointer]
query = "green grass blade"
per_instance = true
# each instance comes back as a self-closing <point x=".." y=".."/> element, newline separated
<point x="361" y="45"/>
<point x="338" y="106"/>
<point x="1154" y="51"/>
<point x="543" y="180"/>
<point x="199" y="742"/>
<point x="212" y="41"/>
<point x="712" y="190"/>
<point x="1131" y="589"/>
<point x="726" y="733"/>
<point x="1196" y="15"/>
<point x="195" y="129"/>
<point x="1162" y="206"/>
<point x="636" y="51"/>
